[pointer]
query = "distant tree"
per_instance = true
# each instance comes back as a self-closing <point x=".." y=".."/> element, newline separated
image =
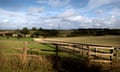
<point x="36" y="34"/>
<point x="25" y="31"/>
<point x="52" y="32"/>
<point x="34" y="28"/>
<point x="79" y="32"/>
<point x="40" y="29"/>
<point x="114" y="31"/>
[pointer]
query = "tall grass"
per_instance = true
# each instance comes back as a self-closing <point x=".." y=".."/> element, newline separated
<point x="14" y="64"/>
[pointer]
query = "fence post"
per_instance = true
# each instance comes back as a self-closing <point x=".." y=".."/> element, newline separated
<point x="116" y="54"/>
<point x="56" y="50"/>
<point x="81" y="46"/>
<point x="73" y="50"/>
<point x="111" y="57"/>
<point x="56" y="57"/>
<point x="82" y="49"/>
<point x="25" y="52"/>
<point x="95" y="53"/>
<point x="88" y="53"/>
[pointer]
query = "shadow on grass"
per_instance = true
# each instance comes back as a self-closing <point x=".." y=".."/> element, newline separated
<point x="48" y="50"/>
<point x="68" y="64"/>
<point x="71" y="63"/>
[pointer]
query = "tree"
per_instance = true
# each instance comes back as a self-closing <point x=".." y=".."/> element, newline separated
<point x="25" y="31"/>
<point x="52" y="32"/>
<point x="40" y="29"/>
<point x="36" y="34"/>
<point x="34" y="28"/>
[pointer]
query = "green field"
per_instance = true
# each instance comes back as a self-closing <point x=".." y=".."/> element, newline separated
<point x="95" y="40"/>
<point x="14" y="64"/>
<point x="12" y="43"/>
<point x="10" y="61"/>
<point x="9" y="46"/>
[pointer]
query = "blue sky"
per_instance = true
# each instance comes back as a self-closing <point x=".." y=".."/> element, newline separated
<point x="62" y="14"/>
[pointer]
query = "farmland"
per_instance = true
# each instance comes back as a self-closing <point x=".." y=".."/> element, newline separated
<point x="11" y="59"/>
<point x="95" y="40"/>
<point x="9" y="45"/>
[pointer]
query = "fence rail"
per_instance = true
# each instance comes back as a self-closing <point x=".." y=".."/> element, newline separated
<point x="96" y="53"/>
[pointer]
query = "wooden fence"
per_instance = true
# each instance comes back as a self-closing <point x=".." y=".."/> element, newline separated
<point x="96" y="53"/>
<point x="23" y="52"/>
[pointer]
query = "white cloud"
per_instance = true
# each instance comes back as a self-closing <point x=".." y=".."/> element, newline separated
<point x="7" y="13"/>
<point x="93" y="4"/>
<point x="71" y="18"/>
<point x="68" y="18"/>
<point x="54" y="3"/>
<point x="12" y="16"/>
<point x="5" y="21"/>
<point x="35" y="10"/>
<point x="115" y="12"/>
<point x="58" y="2"/>
<point x="97" y="3"/>
<point x="114" y="22"/>
<point x="42" y="1"/>
<point x="68" y="13"/>
<point x="10" y="19"/>
<point x="99" y="11"/>
<point x="76" y="18"/>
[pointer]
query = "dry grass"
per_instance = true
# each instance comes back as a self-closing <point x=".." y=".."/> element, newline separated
<point x="11" y="61"/>
<point x="96" y="40"/>
<point x="43" y="64"/>
<point x="36" y="64"/>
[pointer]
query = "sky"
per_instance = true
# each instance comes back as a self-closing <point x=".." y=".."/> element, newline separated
<point x="59" y="14"/>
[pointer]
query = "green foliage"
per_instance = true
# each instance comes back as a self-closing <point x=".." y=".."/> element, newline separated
<point x="50" y="33"/>
<point x="45" y="33"/>
<point x="25" y="31"/>
<point x="34" y="29"/>
<point x="36" y="34"/>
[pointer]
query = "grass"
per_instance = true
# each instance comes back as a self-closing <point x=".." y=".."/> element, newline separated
<point x="13" y="64"/>
<point x="10" y="45"/>
<point x="95" y="40"/>
<point x="16" y="39"/>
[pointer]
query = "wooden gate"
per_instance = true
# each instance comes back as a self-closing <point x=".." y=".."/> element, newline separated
<point x="96" y="53"/>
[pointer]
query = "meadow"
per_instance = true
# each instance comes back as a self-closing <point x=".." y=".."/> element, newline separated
<point x="95" y="40"/>
<point x="46" y="60"/>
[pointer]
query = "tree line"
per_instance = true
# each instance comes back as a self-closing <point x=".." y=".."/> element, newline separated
<point x="95" y="32"/>
<point x="34" y="32"/>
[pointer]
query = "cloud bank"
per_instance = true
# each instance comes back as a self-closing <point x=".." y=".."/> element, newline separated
<point x="62" y="14"/>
